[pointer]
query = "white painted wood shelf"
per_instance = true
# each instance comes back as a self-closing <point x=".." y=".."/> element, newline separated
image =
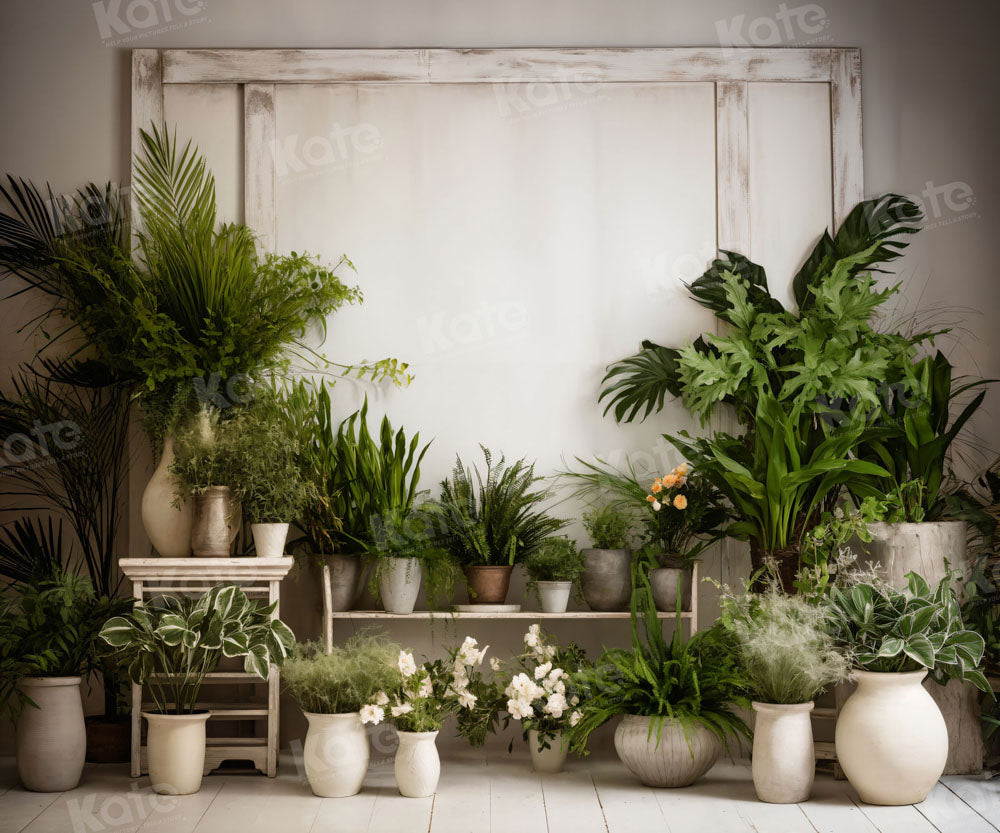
<point x="260" y="577"/>
<point x="521" y="614"/>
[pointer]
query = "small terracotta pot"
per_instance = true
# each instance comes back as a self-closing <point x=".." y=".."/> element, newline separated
<point x="487" y="585"/>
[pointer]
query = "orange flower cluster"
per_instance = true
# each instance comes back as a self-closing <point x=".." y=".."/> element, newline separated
<point x="674" y="480"/>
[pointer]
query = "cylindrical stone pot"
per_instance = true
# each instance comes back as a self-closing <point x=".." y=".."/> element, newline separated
<point x="399" y="584"/>
<point x="52" y="739"/>
<point x="607" y="579"/>
<point x="784" y="758"/>
<point x="213" y="522"/>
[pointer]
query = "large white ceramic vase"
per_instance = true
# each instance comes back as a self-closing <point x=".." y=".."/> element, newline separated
<point x="784" y="759"/>
<point x="892" y="742"/>
<point x="336" y="754"/>
<point x="167" y="527"/>
<point x="417" y="764"/>
<point x="51" y="739"/>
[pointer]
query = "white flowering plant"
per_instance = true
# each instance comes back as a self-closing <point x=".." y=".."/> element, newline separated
<point x="431" y="691"/>
<point x="539" y="690"/>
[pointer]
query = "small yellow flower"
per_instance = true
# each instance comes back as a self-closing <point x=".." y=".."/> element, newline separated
<point x="681" y="470"/>
<point x="680" y="502"/>
<point x="656" y="488"/>
<point x="669" y="481"/>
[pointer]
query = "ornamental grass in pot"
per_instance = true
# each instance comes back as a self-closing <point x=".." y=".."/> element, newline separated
<point x="784" y="647"/>
<point x="677" y="699"/>
<point x="489" y="524"/>
<point x="553" y="569"/>
<point x="892" y="741"/>
<point x="48" y="645"/>
<point x="169" y="646"/>
<point x="339" y="694"/>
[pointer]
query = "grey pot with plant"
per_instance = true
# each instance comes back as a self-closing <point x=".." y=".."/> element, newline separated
<point x="169" y="647"/>
<point x="490" y="523"/>
<point x="553" y="569"/>
<point x="784" y="646"/>
<point x="339" y="692"/>
<point x="607" y="575"/>
<point x="892" y="740"/>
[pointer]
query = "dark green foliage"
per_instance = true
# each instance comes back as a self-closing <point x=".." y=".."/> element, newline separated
<point x="555" y="559"/>
<point x="32" y="551"/>
<point x="609" y="527"/>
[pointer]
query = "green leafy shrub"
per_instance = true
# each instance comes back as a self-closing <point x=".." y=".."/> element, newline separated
<point x="555" y="559"/>
<point x="205" y="454"/>
<point x="171" y="644"/>
<point x="49" y="630"/>
<point x="492" y="521"/>
<point x="892" y="630"/>
<point x="783" y="645"/>
<point x="609" y="527"/>
<point x="347" y="678"/>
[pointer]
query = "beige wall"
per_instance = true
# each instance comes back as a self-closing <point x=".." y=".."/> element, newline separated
<point x="929" y="82"/>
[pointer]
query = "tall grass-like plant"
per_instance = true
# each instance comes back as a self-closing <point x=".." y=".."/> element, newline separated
<point x="783" y="645"/>
<point x="493" y="520"/>
<point x="347" y="678"/>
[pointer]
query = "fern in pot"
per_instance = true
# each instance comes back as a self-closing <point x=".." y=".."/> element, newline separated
<point x="892" y="741"/>
<point x="490" y="523"/>
<point x="607" y="574"/>
<point x="170" y="646"/>
<point x="340" y="692"/>
<point x="554" y="568"/>
<point x="788" y="655"/>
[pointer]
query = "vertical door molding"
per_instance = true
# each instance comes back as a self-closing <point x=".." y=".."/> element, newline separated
<point x="732" y="167"/>
<point x="259" y="163"/>
<point x="845" y="124"/>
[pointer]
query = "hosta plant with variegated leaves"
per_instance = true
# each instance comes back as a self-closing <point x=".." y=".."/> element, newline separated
<point x="170" y="644"/>
<point x="891" y="630"/>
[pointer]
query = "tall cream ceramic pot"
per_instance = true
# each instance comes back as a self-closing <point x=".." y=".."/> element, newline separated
<point x="52" y="739"/>
<point x="336" y="754"/>
<point x="417" y="765"/>
<point x="784" y="759"/>
<point x="892" y="742"/>
<point x="175" y="745"/>
<point x="167" y="527"/>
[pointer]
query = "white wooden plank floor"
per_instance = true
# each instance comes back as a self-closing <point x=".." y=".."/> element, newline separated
<point x="480" y="794"/>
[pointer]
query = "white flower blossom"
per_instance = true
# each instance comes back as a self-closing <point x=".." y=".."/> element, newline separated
<point x="542" y="670"/>
<point x="407" y="665"/>
<point x="519" y="709"/>
<point x="381" y="699"/>
<point x="574" y="700"/>
<point x="426" y="688"/>
<point x="401" y="708"/>
<point x="532" y="637"/>
<point x="574" y="718"/>
<point x="372" y="714"/>
<point x="556" y="705"/>
<point x="495" y="663"/>
<point x="466" y="699"/>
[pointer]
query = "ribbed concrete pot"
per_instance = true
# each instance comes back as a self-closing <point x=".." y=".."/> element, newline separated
<point x="52" y="739"/>
<point x="549" y="760"/>
<point x="892" y="742"/>
<point x="417" y="766"/>
<point x="399" y="584"/>
<point x="607" y="579"/>
<point x="176" y="751"/>
<point x="335" y="754"/>
<point x="676" y="761"/>
<point x="269" y="539"/>
<point x="554" y="595"/>
<point x="784" y="759"/>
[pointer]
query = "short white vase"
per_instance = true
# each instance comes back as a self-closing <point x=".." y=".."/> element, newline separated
<point x="554" y="595"/>
<point x="399" y="584"/>
<point x="269" y="539"/>
<point x="335" y="754"/>
<point x="892" y="742"/>
<point x="784" y="759"/>
<point x="167" y="527"/>
<point x="52" y="739"/>
<point x="418" y="766"/>
<point x="176" y="751"/>
<point x="547" y="760"/>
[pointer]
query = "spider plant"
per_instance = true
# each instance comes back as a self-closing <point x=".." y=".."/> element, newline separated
<point x="493" y="521"/>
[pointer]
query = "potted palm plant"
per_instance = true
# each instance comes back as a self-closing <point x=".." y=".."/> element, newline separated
<point x="340" y="692"/>
<point x="48" y="641"/>
<point x="785" y="649"/>
<point x="170" y="647"/>
<point x="674" y="725"/>
<point x="490" y="524"/>
<point x="892" y="741"/>
<point x="553" y="569"/>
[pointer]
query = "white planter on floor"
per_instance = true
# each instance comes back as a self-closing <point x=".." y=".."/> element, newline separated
<point x="52" y="739"/>
<point x="417" y="766"/>
<point x="176" y="751"/>
<point x="269" y="539"/>
<point x="168" y="528"/>
<point x="399" y="583"/>
<point x="554" y="595"/>
<point x="674" y="761"/>
<point x="784" y="760"/>
<point x="892" y="742"/>
<point x="335" y="754"/>
<point x="547" y="760"/>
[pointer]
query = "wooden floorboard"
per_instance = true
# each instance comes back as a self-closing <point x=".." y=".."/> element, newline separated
<point x="478" y="794"/>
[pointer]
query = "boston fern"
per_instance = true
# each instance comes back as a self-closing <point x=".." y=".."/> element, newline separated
<point x="171" y="645"/>
<point x="492" y="521"/>
<point x="695" y="682"/>
<point x="892" y="630"/>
